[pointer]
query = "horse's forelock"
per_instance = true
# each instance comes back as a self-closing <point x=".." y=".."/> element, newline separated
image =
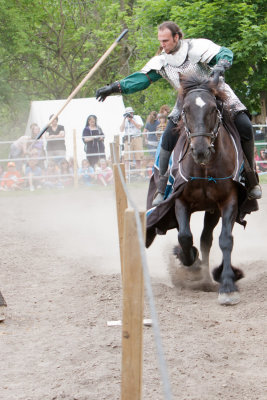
<point x="191" y="82"/>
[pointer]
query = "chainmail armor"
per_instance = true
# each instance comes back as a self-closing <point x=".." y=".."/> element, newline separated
<point x="189" y="57"/>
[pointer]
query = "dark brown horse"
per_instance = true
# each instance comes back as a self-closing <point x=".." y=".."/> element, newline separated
<point x="207" y="162"/>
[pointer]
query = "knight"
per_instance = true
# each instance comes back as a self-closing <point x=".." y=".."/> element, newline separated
<point x="178" y="56"/>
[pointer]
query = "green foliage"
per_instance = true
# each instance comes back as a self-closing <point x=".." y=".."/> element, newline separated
<point x="48" y="46"/>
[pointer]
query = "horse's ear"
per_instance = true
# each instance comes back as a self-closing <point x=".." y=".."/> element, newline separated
<point x="217" y="90"/>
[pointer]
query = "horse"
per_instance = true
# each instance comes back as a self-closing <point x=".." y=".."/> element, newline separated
<point x="207" y="163"/>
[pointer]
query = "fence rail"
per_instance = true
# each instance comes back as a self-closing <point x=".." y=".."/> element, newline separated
<point x="134" y="170"/>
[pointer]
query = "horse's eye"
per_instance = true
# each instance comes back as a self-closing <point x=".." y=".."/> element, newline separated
<point x="186" y="108"/>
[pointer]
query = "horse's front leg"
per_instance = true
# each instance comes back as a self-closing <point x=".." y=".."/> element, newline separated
<point x="187" y="253"/>
<point x="210" y="221"/>
<point x="226" y="275"/>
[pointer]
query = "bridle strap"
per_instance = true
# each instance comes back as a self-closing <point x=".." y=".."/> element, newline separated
<point x="212" y="134"/>
<point x="201" y="134"/>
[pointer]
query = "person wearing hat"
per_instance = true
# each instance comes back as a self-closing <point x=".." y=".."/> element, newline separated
<point x="178" y="56"/>
<point x="132" y="139"/>
<point x="11" y="179"/>
<point x="93" y="138"/>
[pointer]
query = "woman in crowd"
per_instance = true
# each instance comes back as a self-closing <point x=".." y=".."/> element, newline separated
<point x="36" y="147"/>
<point x="151" y="138"/>
<point x="93" y="138"/>
<point x="55" y="136"/>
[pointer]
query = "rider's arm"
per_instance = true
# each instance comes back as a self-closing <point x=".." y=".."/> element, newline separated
<point x="138" y="81"/>
<point x="224" y="54"/>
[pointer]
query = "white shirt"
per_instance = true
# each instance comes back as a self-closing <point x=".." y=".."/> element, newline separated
<point x="130" y="129"/>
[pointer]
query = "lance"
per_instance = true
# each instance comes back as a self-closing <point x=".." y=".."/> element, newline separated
<point x="85" y="79"/>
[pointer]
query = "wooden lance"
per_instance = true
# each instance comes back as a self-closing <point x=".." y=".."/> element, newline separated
<point x="85" y="79"/>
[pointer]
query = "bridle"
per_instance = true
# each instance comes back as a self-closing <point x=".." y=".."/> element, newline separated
<point x="213" y="134"/>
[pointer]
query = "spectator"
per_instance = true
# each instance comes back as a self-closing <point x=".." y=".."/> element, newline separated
<point x="263" y="165"/>
<point x="86" y="173"/>
<point x="37" y="146"/>
<point x="104" y="174"/>
<point x="71" y="164"/>
<point x="149" y="169"/>
<point x="55" y="136"/>
<point x="162" y="125"/>
<point x="34" y="175"/>
<point x="93" y="138"/>
<point x="18" y="151"/>
<point x="151" y="126"/>
<point x="12" y="179"/>
<point x="132" y="139"/>
<point x="257" y="158"/>
<point x="164" y="110"/>
<point x="1" y="175"/>
<point x="52" y="176"/>
<point x="66" y="175"/>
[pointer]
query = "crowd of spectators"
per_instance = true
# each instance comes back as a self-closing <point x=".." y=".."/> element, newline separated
<point x="35" y="164"/>
<point x="140" y="141"/>
<point x="42" y="164"/>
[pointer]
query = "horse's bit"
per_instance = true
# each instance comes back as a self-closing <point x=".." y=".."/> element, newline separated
<point x="213" y="134"/>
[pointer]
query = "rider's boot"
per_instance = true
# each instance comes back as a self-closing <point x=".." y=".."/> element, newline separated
<point x="254" y="189"/>
<point x="245" y="130"/>
<point x="164" y="157"/>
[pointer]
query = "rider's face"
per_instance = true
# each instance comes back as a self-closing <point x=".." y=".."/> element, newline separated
<point x="167" y="41"/>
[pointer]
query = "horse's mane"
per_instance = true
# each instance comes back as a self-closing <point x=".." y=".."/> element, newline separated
<point x="191" y="82"/>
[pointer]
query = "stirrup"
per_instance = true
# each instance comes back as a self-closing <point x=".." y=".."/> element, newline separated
<point x="255" y="193"/>
<point x="158" y="199"/>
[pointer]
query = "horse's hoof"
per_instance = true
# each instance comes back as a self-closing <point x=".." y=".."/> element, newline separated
<point x="229" y="299"/>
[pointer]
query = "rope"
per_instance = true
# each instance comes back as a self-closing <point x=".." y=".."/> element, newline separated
<point x="155" y="324"/>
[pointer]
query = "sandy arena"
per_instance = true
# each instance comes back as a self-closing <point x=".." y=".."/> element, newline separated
<point x="60" y="276"/>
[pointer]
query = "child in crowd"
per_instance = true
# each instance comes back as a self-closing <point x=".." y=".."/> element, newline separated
<point x="34" y="174"/>
<point x="52" y="173"/>
<point x="104" y="174"/>
<point x="11" y="179"/>
<point x="162" y="125"/>
<point x="86" y="173"/>
<point x="66" y="174"/>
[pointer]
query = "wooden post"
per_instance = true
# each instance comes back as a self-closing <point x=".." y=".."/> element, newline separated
<point x="75" y="160"/>
<point x="111" y="147"/>
<point x="133" y="305"/>
<point x="122" y="204"/>
<point x="117" y="148"/>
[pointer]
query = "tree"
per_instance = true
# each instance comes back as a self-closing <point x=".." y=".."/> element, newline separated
<point x="48" y="46"/>
<point x="239" y="25"/>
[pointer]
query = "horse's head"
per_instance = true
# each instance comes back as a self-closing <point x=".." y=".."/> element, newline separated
<point x="200" y="115"/>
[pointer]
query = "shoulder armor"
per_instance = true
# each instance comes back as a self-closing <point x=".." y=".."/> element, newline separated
<point x="155" y="63"/>
<point x="202" y="50"/>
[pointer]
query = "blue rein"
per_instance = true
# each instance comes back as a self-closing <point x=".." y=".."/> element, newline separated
<point x="210" y="178"/>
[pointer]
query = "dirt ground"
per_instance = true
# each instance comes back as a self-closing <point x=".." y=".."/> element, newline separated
<point x="60" y="276"/>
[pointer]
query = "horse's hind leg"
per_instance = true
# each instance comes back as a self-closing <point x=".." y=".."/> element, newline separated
<point x="187" y="253"/>
<point x="210" y="221"/>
